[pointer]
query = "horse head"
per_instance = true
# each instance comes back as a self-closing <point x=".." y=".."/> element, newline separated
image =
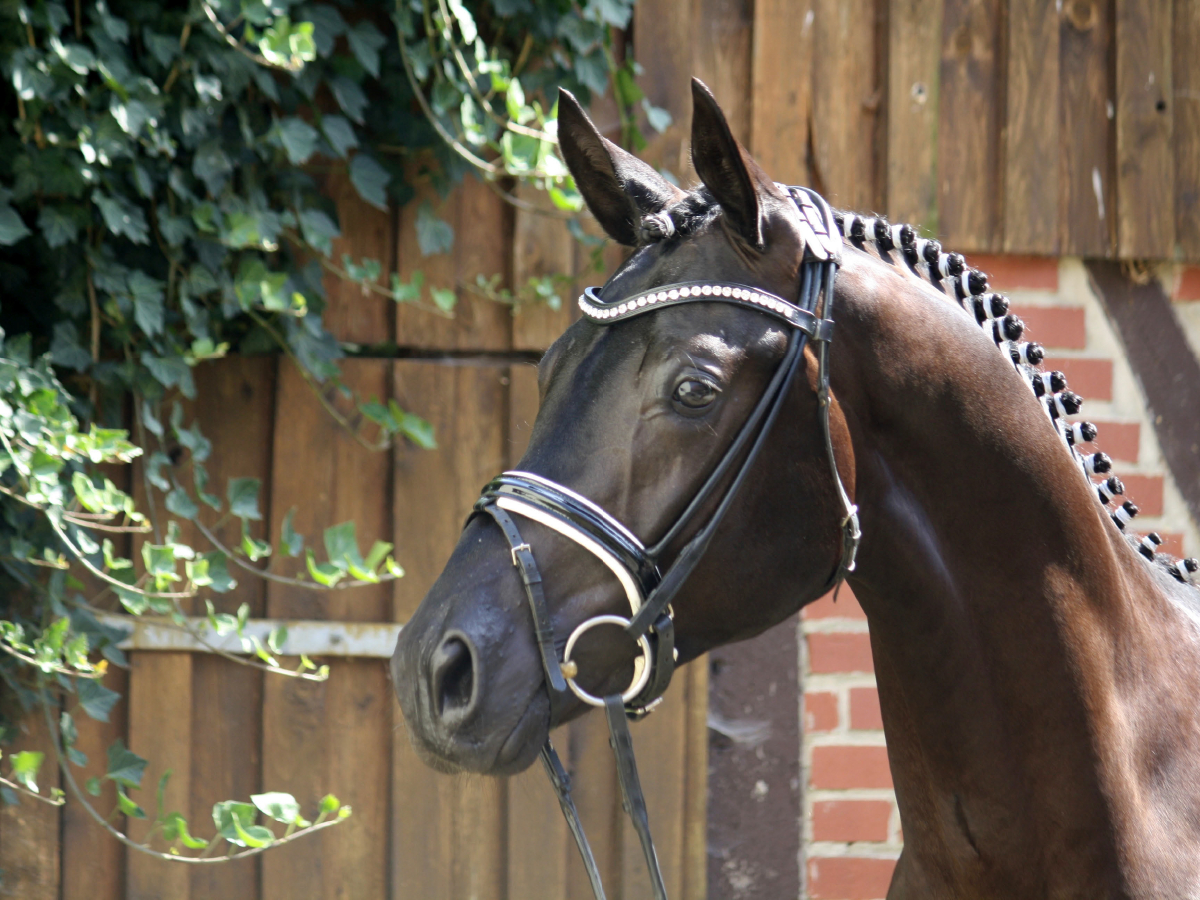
<point x="636" y="418"/>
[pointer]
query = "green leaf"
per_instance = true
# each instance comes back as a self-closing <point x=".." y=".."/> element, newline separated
<point x="341" y="545"/>
<point x="12" y="228"/>
<point x="299" y="139"/>
<point x="160" y="562"/>
<point x="124" y="766"/>
<point x="59" y="227"/>
<point x="379" y="551"/>
<point x="179" y="503"/>
<point x="365" y="41"/>
<point x="319" y="230"/>
<point x="370" y="179"/>
<point x="659" y="118"/>
<point x="444" y="299"/>
<point x="128" y="806"/>
<point x="229" y="816"/>
<point x="120" y="216"/>
<point x="292" y="542"/>
<point x="148" y="296"/>
<point x="243" y="497"/>
<point x="251" y="546"/>
<point x="413" y="427"/>
<point x="218" y="572"/>
<point x="25" y="767"/>
<point x="322" y="573"/>
<point x="340" y="134"/>
<point x="350" y="97"/>
<point x="433" y="234"/>
<point x="92" y="786"/>
<point x="279" y="806"/>
<point x="175" y="828"/>
<point x="97" y="700"/>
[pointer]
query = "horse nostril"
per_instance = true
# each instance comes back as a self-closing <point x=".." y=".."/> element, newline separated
<point x="454" y="678"/>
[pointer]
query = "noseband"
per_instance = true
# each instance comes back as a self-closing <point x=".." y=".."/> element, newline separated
<point x="648" y="586"/>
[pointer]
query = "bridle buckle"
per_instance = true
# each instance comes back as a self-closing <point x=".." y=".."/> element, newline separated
<point x="518" y="549"/>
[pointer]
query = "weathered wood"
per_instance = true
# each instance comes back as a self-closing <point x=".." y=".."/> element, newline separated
<point x="1087" y="134"/>
<point x="541" y="245"/>
<point x="663" y="32"/>
<point x="723" y="32"/>
<point x="93" y="862"/>
<point x="1186" y="127"/>
<point x="594" y="774"/>
<point x="846" y="106"/>
<point x="781" y="88"/>
<point x="968" y="126"/>
<point x="695" y="801"/>
<point x="914" y="59"/>
<point x="1031" y="129"/>
<point x="235" y="398"/>
<point x="480" y="221"/>
<point x="330" y="737"/>
<point x="354" y="314"/>
<point x="435" y="818"/>
<point x="1145" y="108"/>
<point x="160" y="709"/>
<point x="29" y="831"/>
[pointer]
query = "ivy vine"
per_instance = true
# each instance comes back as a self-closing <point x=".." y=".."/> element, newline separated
<point x="161" y="204"/>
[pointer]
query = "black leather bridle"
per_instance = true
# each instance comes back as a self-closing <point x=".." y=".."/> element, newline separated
<point x="648" y="586"/>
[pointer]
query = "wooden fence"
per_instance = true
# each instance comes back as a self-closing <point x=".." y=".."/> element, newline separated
<point x="1012" y="127"/>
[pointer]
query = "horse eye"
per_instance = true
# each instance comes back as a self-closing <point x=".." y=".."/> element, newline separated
<point x="695" y="394"/>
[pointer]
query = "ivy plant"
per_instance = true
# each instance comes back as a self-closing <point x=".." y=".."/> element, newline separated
<point x="161" y="205"/>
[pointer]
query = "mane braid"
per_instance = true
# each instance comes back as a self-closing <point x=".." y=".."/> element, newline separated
<point x="949" y="273"/>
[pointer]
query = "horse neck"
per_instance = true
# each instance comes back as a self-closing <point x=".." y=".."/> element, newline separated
<point x="995" y="590"/>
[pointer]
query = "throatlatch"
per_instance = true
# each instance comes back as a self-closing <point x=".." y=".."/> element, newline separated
<point x="647" y="586"/>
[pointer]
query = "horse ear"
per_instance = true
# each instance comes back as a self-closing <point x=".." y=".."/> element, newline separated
<point x="726" y="169"/>
<point x="617" y="187"/>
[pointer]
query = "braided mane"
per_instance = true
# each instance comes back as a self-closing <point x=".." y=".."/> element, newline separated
<point x="949" y="273"/>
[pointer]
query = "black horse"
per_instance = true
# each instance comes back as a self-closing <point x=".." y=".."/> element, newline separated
<point x="1038" y="668"/>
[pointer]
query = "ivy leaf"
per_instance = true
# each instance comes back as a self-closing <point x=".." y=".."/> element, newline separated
<point x="25" y="767"/>
<point x="299" y="139"/>
<point x="292" y="542"/>
<point x="218" y="572"/>
<point x="370" y="179"/>
<point x="659" y="119"/>
<point x="413" y="427"/>
<point x="180" y="504"/>
<point x="340" y="134"/>
<point x="322" y="573"/>
<point x="279" y="806"/>
<point x="175" y="828"/>
<point x="365" y="41"/>
<point x="349" y="97"/>
<point x="12" y="228"/>
<point x="124" y="766"/>
<point x="147" y="301"/>
<point x="434" y="235"/>
<point x="229" y="815"/>
<point x="341" y="545"/>
<point x="319" y="230"/>
<point x="444" y="298"/>
<point x="97" y="700"/>
<point x="128" y="806"/>
<point x="58" y="226"/>
<point x="65" y="349"/>
<point x="243" y="497"/>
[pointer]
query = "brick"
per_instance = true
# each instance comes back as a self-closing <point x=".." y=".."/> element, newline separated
<point x="1089" y="378"/>
<point x="1010" y="273"/>
<point x="865" y="714"/>
<point x="1054" y="326"/>
<point x="1146" y="491"/>
<point x="1120" y="440"/>
<point x="845" y="768"/>
<point x="849" y="878"/>
<point x="851" y="820"/>
<point x="840" y="652"/>
<point x="1172" y="542"/>
<point x="824" y="608"/>
<point x="1189" y="284"/>
<point x="820" y="711"/>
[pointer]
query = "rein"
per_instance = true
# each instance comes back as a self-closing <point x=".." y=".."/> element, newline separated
<point x="648" y="588"/>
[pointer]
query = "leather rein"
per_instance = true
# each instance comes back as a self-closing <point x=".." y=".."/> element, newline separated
<point x="648" y="588"/>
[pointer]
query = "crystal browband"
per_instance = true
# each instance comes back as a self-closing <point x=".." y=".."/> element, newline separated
<point x="594" y="308"/>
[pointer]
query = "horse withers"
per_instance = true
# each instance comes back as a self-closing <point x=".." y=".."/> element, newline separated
<point x="1038" y="669"/>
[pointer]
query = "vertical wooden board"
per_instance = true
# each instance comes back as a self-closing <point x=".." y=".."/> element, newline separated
<point x="661" y="746"/>
<point x="522" y="410"/>
<point x="914" y="59"/>
<point x="781" y="88"/>
<point x="663" y="39"/>
<point x="93" y="862"/>
<point x="695" y="800"/>
<point x="723" y="36"/>
<point x="969" y="126"/>
<point x="539" y="844"/>
<point x="433" y="815"/>
<point x="330" y="737"/>
<point x="541" y="245"/>
<point x="1031" y="129"/>
<point x="1186" y="128"/>
<point x="160" y="705"/>
<point x="598" y="799"/>
<point x="29" y="831"/>
<point x="846" y="104"/>
<point x="481" y="228"/>
<point x="1087" y="136"/>
<point x="1145" y="107"/>
<point x="480" y="839"/>
<point x="235" y="403"/>
<point x="352" y="314"/>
